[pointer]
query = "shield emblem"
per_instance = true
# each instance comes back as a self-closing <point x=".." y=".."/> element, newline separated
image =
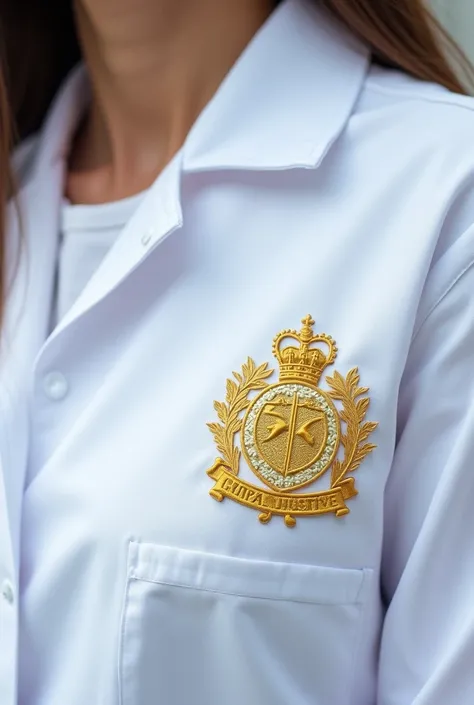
<point x="290" y="435"/>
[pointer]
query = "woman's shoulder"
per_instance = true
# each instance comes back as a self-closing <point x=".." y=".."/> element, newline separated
<point x="418" y="104"/>
<point x="421" y="137"/>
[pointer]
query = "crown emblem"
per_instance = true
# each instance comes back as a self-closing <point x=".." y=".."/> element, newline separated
<point x="306" y="361"/>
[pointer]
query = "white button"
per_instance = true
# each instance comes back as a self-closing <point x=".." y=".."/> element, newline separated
<point x="7" y="592"/>
<point x="55" y="386"/>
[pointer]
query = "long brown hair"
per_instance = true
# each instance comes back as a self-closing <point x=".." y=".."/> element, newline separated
<point x="41" y="47"/>
<point x="6" y="186"/>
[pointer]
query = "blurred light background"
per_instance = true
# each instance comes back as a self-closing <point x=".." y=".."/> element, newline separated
<point x="458" y="17"/>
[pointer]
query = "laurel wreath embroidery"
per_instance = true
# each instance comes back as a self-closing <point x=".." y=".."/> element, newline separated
<point x="229" y="412"/>
<point x="355" y="406"/>
<point x="252" y="378"/>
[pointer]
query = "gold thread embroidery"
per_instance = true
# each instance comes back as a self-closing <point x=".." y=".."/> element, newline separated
<point x="251" y="379"/>
<point x="290" y="431"/>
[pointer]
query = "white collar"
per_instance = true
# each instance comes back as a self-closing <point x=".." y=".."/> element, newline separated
<point x="283" y="104"/>
<point x="288" y="97"/>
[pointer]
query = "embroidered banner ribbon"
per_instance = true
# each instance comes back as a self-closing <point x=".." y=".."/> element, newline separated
<point x="268" y="502"/>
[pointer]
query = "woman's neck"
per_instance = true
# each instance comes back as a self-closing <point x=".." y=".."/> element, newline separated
<point x="154" y="65"/>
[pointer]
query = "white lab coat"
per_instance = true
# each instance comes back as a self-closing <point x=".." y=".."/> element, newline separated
<point x="312" y="183"/>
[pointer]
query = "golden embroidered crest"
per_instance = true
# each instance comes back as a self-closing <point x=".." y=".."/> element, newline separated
<point x="291" y="432"/>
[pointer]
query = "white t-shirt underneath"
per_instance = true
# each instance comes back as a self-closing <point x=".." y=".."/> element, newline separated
<point x="88" y="232"/>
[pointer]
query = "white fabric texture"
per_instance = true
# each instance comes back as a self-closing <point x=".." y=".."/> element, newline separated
<point x="313" y="182"/>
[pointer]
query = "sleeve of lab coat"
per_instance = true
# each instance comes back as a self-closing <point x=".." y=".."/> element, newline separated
<point x="427" y="647"/>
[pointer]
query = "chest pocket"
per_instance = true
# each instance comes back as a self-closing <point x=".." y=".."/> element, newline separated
<point x="200" y="629"/>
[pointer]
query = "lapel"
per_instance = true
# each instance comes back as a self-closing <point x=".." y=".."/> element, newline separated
<point x="287" y="99"/>
<point x="158" y="216"/>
